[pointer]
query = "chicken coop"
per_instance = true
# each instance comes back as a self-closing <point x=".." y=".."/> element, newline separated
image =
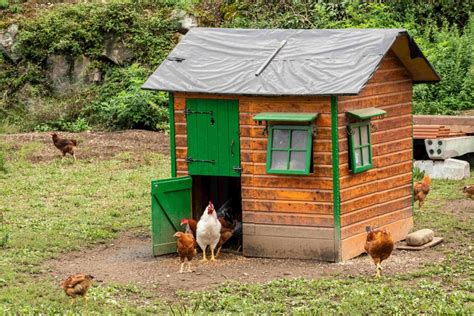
<point x="307" y="132"/>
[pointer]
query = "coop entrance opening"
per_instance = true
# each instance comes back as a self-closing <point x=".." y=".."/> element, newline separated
<point x="225" y="194"/>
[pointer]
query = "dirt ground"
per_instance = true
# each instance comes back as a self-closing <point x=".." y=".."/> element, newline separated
<point x="94" y="145"/>
<point x="129" y="260"/>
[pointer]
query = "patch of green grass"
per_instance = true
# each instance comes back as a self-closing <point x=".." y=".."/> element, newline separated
<point x="351" y="296"/>
<point x="59" y="206"/>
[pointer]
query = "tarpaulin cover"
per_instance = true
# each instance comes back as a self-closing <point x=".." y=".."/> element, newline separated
<point x="312" y="62"/>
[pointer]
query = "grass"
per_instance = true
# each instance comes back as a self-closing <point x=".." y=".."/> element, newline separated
<point x="58" y="206"/>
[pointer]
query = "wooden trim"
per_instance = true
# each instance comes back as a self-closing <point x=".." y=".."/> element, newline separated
<point x="335" y="179"/>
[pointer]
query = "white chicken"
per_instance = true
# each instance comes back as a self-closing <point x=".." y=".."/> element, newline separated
<point x="208" y="231"/>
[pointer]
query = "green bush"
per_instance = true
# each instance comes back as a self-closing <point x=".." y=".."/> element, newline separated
<point x="123" y="104"/>
<point x="82" y="28"/>
<point x="77" y="126"/>
<point x="451" y="54"/>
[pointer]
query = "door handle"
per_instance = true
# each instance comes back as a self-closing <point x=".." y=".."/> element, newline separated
<point x="232" y="148"/>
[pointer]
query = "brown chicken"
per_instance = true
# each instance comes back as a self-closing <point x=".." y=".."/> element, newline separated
<point x="77" y="285"/>
<point x="226" y="234"/>
<point x="186" y="247"/>
<point x="421" y="190"/>
<point x="379" y="245"/>
<point x="66" y="146"/>
<point x="469" y="191"/>
<point x="191" y="225"/>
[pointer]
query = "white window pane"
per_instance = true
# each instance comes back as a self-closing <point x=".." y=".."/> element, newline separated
<point x="365" y="153"/>
<point x="356" y="136"/>
<point x="279" y="160"/>
<point x="358" y="158"/>
<point x="298" y="160"/>
<point x="280" y="138"/>
<point x="365" y="135"/>
<point x="299" y="139"/>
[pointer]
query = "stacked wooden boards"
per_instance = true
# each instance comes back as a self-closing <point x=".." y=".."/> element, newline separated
<point x="442" y="126"/>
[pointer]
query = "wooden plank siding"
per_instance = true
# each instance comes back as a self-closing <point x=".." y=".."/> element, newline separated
<point x="381" y="196"/>
<point x="271" y="201"/>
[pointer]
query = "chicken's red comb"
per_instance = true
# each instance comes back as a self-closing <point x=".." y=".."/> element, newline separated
<point x="184" y="221"/>
<point x="210" y="204"/>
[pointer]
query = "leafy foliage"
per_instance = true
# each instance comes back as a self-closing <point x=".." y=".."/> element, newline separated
<point x="452" y="55"/>
<point x="122" y="104"/>
<point x="82" y="28"/>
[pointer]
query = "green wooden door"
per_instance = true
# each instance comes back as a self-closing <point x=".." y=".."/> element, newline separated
<point x="213" y="137"/>
<point x="170" y="202"/>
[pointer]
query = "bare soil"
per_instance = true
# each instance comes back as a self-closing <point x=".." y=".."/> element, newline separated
<point x="128" y="260"/>
<point x="93" y="145"/>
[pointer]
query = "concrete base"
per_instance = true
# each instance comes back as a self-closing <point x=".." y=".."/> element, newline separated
<point x="451" y="169"/>
<point x="444" y="148"/>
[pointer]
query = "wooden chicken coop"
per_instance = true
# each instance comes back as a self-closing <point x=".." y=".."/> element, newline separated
<point x="309" y="132"/>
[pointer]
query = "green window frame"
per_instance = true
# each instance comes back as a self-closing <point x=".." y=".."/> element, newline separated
<point x="287" y="146"/>
<point x="360" y="146"/>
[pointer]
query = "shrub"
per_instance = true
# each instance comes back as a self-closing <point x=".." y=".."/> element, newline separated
<point x="76" y="126"/>
<point x="451" y="54"/>
<point x="123" y="104"/>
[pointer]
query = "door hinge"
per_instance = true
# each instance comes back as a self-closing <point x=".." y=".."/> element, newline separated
<point x="191" y="159"/>
<point x="237" y="169"/>
<point x="189" y="112"/>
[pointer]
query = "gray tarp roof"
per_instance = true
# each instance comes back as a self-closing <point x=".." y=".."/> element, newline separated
<point x="312" y="62"/>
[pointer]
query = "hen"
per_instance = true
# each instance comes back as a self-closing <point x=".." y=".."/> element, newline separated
<point x="379" y="245"/>
<point x="77" y="285"/>
<point x="421" y="190"/>
<point x="469" y="190"/>
<point x="208" y="231"/>
<point x="186" y="249"/>
<point x="66" y="146"/>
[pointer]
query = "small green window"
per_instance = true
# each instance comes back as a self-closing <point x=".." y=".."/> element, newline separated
<point x="360" y="146"/>
<point x="289" y="149"/>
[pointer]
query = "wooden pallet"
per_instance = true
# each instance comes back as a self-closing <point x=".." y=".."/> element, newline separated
<point x="403" y="245"/>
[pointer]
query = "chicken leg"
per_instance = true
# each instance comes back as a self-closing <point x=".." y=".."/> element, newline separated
<point x="379" y="270"/>
<point x="204" y="254"/>
<point x="213" y="258"/>
<point x="218" y="251"/>
<point x="182" y="266"/>
<point x="189" y="267"/>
